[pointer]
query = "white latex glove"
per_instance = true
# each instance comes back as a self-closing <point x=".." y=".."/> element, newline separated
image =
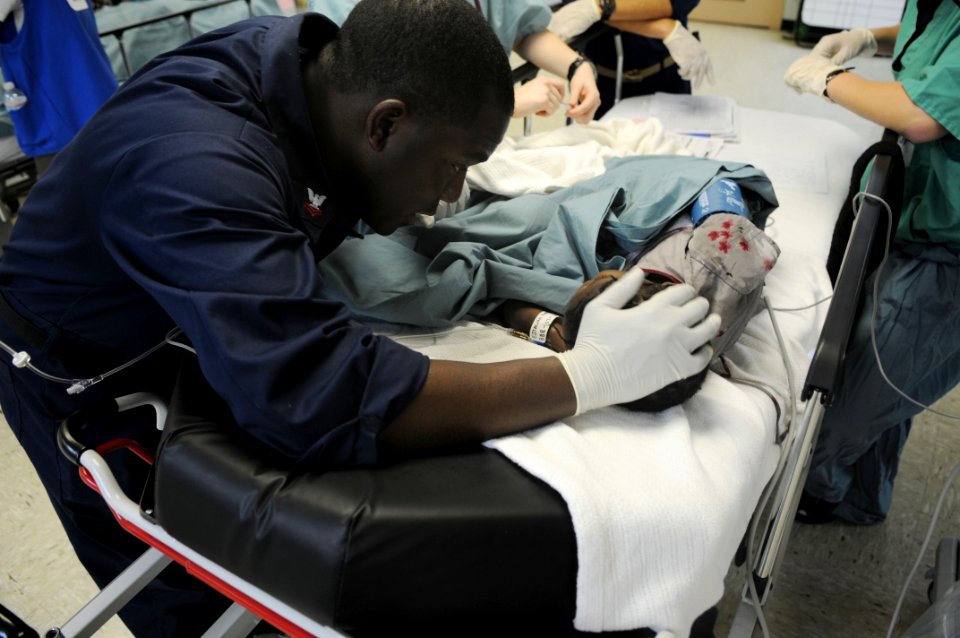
<point x="809" y="74"/>
<point x="540" y="96"/>
<point x="846" y="45"/>
<point x="625" y="354"/>
<point x="690" y="55"/>
<point x="573" y="19"/>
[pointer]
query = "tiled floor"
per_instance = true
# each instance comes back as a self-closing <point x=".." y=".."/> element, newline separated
<point x="837" y="581"/>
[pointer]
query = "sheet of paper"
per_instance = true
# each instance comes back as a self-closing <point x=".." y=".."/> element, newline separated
<point x="699" y="146"/>
<point x="712" y="115"/>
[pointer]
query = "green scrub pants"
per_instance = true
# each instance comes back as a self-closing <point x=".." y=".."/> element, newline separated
<point x="918" y="336"/>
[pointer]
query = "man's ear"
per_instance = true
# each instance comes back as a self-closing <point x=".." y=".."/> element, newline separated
<point x="382" y="121"/>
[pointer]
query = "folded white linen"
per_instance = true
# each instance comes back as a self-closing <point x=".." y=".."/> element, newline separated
<point x="548" y="161"/>
<point x="660" y="502"/>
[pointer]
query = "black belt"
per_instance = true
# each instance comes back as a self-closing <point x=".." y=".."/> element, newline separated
<point x="70" y="350"/>
<point x="638" y="75"/>
<point x="33" y="335"/>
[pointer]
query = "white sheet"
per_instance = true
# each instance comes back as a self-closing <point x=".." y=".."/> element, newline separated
<point x="659" y="503"/>
<point x="551" y="160"/>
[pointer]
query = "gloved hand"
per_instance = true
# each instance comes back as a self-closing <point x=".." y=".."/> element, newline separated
<point x="690" y="55"/>
<point x="809" y="74"/>
<point x="575" y="18"/>
<point x="624" y="354"/>
<point x="846" y="45"/>
<point x="541" y="96"/>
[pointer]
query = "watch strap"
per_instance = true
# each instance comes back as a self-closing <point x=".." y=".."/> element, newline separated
<point x="576" y="65"/>
<point x="607" y="7"/>
<point x="831" y="75"/>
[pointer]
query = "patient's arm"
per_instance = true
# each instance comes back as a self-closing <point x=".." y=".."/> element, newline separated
<point x="519" y="316"/>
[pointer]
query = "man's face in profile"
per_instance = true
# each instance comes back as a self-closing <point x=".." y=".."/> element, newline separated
<point x="425" y="162"/>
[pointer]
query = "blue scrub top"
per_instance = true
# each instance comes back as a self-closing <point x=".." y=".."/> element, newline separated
<point x="57" y="60"/>
<point x="511" y="20"/>
<point x="196" y="197"/>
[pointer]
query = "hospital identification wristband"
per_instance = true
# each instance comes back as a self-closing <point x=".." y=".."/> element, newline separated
<point x="540" y="327"/>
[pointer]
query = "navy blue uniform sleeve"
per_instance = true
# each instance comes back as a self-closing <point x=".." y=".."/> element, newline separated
<point x="200" y="225"/>
<point x="682" y="8"/>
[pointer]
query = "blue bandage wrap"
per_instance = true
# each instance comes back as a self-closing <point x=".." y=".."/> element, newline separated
<point x="722" y="196"/>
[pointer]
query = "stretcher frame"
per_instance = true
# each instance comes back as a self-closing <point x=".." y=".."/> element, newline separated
<point x="251" y="604"/>
<point x="820" y="387"/>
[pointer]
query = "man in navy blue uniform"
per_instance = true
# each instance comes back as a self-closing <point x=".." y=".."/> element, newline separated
<point x="201" y="197"/>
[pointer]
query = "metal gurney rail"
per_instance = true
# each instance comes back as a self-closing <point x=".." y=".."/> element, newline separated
<point x="821" y="384"/>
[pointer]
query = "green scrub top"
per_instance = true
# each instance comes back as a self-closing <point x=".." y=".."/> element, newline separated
<point x="511" y="20"/>
<point x="931" y="77"/>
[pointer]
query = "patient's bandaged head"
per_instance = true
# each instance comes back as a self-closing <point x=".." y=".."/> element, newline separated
<point x="726" y="259"/>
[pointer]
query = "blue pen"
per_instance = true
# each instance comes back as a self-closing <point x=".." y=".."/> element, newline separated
<point x="697" y="134"/>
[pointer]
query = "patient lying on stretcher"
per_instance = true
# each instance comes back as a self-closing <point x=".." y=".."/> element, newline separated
<point x="725" y="258"/>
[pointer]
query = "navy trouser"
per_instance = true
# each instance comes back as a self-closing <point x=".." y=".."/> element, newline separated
<point x="175" y="605"/>
<point x="918" y="336"/>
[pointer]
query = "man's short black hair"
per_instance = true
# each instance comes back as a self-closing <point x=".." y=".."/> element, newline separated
<point x="439" y="56"/>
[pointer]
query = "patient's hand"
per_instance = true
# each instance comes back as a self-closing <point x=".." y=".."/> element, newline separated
<point x="672" y="394"/>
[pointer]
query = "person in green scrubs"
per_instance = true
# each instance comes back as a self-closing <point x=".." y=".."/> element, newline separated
<point x="917" y="322"/>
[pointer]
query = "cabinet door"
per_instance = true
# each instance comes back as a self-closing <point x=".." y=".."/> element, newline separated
<point x="755" y="13"/>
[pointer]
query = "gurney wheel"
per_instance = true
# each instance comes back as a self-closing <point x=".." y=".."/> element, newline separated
<point x="12" y="627"/>
<point x="11" y="205"/>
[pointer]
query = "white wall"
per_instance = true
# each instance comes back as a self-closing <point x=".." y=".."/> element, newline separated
<point x="791" y="9"/>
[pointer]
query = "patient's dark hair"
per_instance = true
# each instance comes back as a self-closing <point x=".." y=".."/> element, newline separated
<point x="432" y="54"/>
<point x="668" y="396"/>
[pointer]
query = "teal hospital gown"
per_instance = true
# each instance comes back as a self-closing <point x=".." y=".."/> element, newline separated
<point x="535" y="248"/>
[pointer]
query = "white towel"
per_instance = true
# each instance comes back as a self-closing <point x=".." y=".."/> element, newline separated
<point x="545" y="162"/>
<point x="660" y="502"/>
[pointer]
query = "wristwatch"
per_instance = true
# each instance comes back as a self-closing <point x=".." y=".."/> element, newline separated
<point x="607" y="7"/>
<point x="832" y="75"/>
<point x="576" y="65"/>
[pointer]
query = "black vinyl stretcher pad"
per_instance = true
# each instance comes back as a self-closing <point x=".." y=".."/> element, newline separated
<point x="454" y="545"/>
